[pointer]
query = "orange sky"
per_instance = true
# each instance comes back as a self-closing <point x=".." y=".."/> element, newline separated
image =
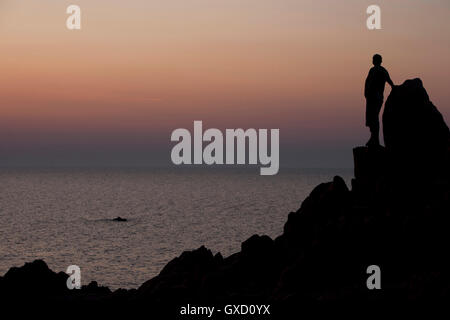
<point x="139" y="69"/>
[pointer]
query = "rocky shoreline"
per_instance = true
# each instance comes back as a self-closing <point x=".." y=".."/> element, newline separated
<point x="395" y="216"/>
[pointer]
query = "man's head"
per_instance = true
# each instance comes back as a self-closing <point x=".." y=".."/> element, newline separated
<point x="376" y="60"/>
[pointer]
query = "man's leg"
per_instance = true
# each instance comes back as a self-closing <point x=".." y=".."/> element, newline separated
<point x="373" y="108"/>
<point x="378" y="105"/>
<point x="375" y="132"/>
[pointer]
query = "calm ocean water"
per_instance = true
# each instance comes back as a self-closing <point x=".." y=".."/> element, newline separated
<point x="64" y="215"/>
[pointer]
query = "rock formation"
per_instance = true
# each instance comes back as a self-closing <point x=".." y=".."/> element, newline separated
<point x="415" y="132"/>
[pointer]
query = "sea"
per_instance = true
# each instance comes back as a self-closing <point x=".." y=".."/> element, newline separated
<point x="65" y="215"/>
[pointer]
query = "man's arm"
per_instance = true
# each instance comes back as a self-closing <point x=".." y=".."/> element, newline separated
<point x="388" y="79"/>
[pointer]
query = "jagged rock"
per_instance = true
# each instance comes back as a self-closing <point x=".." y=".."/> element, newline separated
<point x="415" y="132"/>
<point x="94" y="288"/>
<point x="371" y="169"/>
<point x="197" y="260"/>
<point x="34" y="280"/>
<point x="326" y="201"/>
<point x="369" y="163"/>
<point x="257" y="246"/>
<point x="181" y="277"/>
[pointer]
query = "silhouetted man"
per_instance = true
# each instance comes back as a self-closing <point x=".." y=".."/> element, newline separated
<point x="373" y="91"/>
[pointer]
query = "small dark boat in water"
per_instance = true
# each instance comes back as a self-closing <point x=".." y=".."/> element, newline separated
<point x="119" y="219"/>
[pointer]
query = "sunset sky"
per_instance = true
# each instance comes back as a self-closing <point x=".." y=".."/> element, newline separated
<point x="112" y="93"/>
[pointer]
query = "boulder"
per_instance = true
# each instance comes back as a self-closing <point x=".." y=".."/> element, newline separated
<point x="34" y="280"/>
<point x="415" y="133"/>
